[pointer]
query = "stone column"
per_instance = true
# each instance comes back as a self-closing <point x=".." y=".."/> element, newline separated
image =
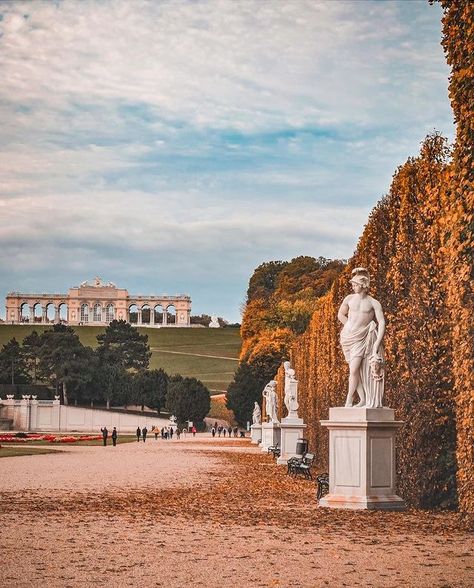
<point x="56" y="414"/>
<point x="32" y="313"/>
<point x="9" y="407"/>
<point x="152" y="317"/>
<point x="56" y="314"/>
<point x="33" y="413"/>
<point x="362" y="472"/>
<point x="24" y="415"/>
<point x="44" y="315"/>
<point x="165" y="317"/>
<point x="139" y="319"/>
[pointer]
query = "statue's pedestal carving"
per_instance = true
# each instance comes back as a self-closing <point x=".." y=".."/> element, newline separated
<point x="291" y="430"/>
<point x="362" y="471"/>
<point x="256" y="434"/>
<point x="270" y="435"/>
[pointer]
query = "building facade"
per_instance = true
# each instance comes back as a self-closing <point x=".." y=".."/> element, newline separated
<point x="98" y="303"/>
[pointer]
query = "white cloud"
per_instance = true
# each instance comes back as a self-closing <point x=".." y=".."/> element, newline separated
<point x="210" y="134"/>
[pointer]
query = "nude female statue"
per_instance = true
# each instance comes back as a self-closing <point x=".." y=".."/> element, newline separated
<point x="361" y="341"/>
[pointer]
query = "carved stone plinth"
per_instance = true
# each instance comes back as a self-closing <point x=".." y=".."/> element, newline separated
<point x="291" y="430"/>
<point x="362" y="471"/>
<point x="256" y="434"/>
<point x="270" y="435"/>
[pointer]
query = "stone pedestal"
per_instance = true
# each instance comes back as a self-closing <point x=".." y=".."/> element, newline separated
<point x="270" y="435"/>
<point x="256" y="434"/>
<point x="362" y="471"/>
<point x="291" y="430"/>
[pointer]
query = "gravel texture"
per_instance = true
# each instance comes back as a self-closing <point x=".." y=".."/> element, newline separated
<point x="205" y="512"/>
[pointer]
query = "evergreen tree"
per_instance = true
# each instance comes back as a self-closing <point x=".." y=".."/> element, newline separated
<point x="122" y="344"/>
<point x="188" y="399"/>
<point x="63" y="360"/>
<point x="13" y="368"/>
<point x="30" y="349"/>
<point x="245" y="390"/>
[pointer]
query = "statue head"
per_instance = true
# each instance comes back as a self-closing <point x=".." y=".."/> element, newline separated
<point x="360" y="277"/>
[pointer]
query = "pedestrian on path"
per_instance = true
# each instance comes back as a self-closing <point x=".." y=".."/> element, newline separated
<point x="194" y="431"/>
<point x="105" y="434"/>
<point x="114" y="437"/>
<point x="144" y="432"/>
<point x="139" y="433"/>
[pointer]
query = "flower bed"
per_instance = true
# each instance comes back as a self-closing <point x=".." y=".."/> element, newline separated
<point x="12" y="438"/>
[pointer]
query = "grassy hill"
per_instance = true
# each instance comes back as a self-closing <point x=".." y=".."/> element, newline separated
<point x="211" y="355"/>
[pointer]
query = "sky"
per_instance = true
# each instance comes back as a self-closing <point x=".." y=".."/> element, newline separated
<point x="172" y="147"/>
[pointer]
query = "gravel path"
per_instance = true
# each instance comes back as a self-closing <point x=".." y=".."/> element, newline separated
<point x="188" y="512"/>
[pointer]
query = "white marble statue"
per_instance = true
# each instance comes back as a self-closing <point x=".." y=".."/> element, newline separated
<point x="271" y="401"/>
<point x="214" y="324"/>
<point x="361" y="341"/>
<point x="257" y="415"/>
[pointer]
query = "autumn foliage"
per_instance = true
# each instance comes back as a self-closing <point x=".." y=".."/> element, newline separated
<point x="417" y="245"/>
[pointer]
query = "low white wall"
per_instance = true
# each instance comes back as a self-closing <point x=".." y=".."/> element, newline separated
<point x="30" y="414"/>
<point x="73" y="418"/>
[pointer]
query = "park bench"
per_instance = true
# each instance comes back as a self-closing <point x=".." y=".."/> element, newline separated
<point x="274" y="450"/>
<point x="323" y="485"/>
<point x="301" y="465"/>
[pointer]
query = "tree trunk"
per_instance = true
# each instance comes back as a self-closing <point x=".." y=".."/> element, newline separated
<point x="65" y="394"/>
<point x="92" y="404"/>
<point x="108" y="403"/>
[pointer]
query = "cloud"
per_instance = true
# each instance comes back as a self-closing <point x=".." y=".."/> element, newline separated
<point x="209" y="135"/>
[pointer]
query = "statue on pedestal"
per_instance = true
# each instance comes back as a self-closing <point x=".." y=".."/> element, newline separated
<point x="361" y="342"/>
<point x="291" y="391"/>
<point x="271" y="401"/>
<point x="214" y="323"/>
<point x="257" y="415"/>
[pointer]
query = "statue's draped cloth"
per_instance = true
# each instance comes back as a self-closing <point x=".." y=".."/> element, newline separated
<point x="360" y="344"/>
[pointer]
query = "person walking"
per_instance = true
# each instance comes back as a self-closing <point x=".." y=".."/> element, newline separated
<point x="171" y="433"/>
<point x="178" y="434"/>
<point x="156" y="431"/>
<point x="114" y="437"/>
<point x="213" y="432"/>
<point x="144" y="432"/>
<point x="194" y="431"/>
<point x="105" y="434"/>
<point x="139" y="433"/>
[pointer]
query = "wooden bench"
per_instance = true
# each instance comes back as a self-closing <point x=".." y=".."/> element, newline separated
<point x="322" y="482"/>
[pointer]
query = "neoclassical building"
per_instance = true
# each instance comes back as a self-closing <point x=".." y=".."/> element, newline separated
<point x="98" y="303"/>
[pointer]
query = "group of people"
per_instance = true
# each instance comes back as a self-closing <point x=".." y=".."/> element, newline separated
<point x="105" y="435"/>
<point x="221" y="430"/>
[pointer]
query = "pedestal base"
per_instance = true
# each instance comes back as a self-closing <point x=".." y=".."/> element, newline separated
<point x="270" y="435"/>
<point x="362" y="459"/>
<point x="256" y="434"/>
<point x="291" y="431"/>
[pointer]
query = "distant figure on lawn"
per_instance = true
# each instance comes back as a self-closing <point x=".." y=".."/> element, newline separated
<point x="105" y="434"/>
<point x="194" y="431"/>
<point x="144" y="433"/>
<point x="114" y="437"/>
<point x="139" y="433"/>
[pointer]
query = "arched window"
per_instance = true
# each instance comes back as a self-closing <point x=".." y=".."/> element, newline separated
<point x="146" y="314"/>
<point x="171" y="315"/>
<point x="97" y="313"/>
<point x="133" y="314"/>
<point x="84" y="313"/>
<point x="109" y="313"/>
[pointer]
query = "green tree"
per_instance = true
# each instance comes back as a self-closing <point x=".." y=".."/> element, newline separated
<point x="188" y="399"/>
<point x="122" y="344"/>
<point x="109" y="383"/>
<point x="13" y="368"/>
<point x="156" y="385"/>
<point x="245" y="390"/>
<point x="63" y="360"/>
<point x="30" y="349"/>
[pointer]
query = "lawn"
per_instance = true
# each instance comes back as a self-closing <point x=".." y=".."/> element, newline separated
<point x="178" y="351"/>
<point x="15" y="451"/>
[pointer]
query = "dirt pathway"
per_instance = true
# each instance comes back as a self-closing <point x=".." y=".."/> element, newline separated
<point x="206" y="512"/>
